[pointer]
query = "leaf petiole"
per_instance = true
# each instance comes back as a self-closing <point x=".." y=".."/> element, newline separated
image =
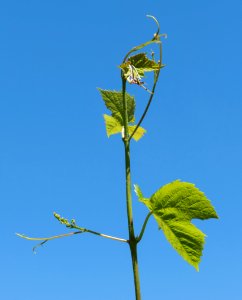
<point x="139" y="237"/>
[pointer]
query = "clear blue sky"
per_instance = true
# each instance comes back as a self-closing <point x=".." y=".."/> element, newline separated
<point x="55" y="156"/>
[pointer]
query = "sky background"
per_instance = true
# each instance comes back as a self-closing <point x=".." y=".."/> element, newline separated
<point x="55" y="155"/>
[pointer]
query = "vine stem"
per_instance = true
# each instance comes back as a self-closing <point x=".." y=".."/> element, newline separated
<point x="133" y="241"/>
<point x="132" y="238"/>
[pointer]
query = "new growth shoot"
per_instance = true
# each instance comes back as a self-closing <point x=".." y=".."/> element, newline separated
<point x="175" y="204"/>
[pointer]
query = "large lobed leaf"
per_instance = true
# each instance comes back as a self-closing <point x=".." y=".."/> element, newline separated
<point x="174" y="206"/>
<point x="114" y="102"/>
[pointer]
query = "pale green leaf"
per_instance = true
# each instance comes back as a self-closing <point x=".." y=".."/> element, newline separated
<point x="185" y="238"/>
<point x="114" y="102"/>
<point x="184" y="197"/>
<point x="112" y="125"/>
<point x="138" y="133"/>
<point x="174" y="206"/>
<point x="141" y="63"/>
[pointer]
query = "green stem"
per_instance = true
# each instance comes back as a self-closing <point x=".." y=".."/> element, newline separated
<point x="156" y="76"/>
<point x="144" y="226"/>
<point x="133" y="251"/>
<point x="145" y="111"/>
<point x="107" y="236"/>
<point x="132" y="239"/>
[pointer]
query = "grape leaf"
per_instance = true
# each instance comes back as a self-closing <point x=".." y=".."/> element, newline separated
<point x="138" y="133"/>
<point x="113" y="126"/>
<point x="114" y="102"/>
<point x="141" y="63"/>
<point x="174" y="206"/>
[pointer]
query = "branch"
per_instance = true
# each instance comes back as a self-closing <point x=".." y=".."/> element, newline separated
<point x="46" y="239"/>
<point x="71" y="225"/>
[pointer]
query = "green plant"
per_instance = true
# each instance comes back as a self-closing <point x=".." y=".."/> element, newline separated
<point x="175" y="204"/>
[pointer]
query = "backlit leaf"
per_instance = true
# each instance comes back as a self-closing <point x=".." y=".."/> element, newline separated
<point x="114" y="102"/>
<point x="174" y="206"/>
<point x="141" y="63"/>
<point x="138" y="133"/>
<point x="112" y="125"/>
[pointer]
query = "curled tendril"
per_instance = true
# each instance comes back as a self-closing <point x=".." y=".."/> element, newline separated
<point x="155" y="39"/>
<point x="157" y="23"/>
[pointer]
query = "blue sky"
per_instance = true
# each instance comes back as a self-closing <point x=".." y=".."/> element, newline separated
<point x="55" y="155"/>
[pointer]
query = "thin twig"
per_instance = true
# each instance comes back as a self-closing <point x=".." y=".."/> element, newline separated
<point x="72" y="233"/>
<point x="107" y="236"/>
<point x="48" y="238"/>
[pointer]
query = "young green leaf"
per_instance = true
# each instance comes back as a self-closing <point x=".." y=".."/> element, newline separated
<point x="114" y="102"/>
<point x="112" y="125"/>
<point x="174" y="206"/>
<point x="141" y="63"/>
<point x="138" y="133"/>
